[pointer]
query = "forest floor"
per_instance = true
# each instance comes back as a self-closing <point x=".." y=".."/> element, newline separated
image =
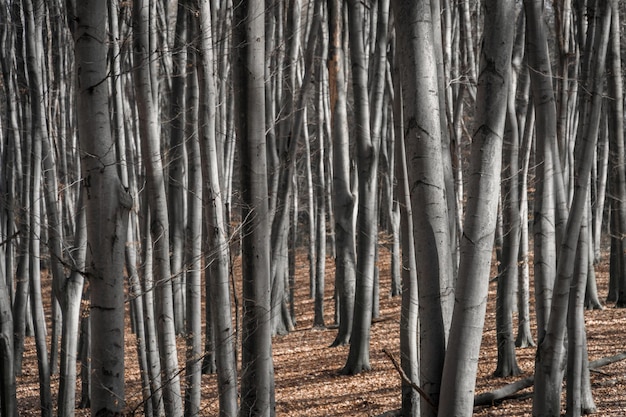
<point x="307" y="370"/>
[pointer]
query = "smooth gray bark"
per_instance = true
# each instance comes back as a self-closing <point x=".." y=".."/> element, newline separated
<point x="367" y="220"/>
<point x="343" y="198"/>
<point x="459" y="374"/>
<point x="428" y="189"/>
<point x="257" y="379"/>
<point x="146" y="90"/>
<point x="217" y="258"/>
<point x="193" y="254"/>
<point x="549" y="364"/>
<point x="107" y="203"/>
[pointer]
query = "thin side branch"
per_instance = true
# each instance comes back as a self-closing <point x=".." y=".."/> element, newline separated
<point x="406" y="379"/>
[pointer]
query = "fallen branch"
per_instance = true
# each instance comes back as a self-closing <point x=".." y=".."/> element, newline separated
<point x="407" y="380"/>
<point x="507" y="391"/>
<point x="491" y="397"/>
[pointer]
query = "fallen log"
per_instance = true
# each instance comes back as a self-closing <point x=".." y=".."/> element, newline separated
<point x="507" y="391"/>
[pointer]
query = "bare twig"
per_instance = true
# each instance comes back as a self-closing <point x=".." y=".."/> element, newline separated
<point x="407" y="380"/>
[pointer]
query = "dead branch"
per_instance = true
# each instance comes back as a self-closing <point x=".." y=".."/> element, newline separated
<point x="507" y="391"/>
<point x="407" y="380"/>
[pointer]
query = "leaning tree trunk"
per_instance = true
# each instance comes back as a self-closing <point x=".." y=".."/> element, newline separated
<point x="459" y="374"/>
<point x="257" y="379"/>
<point x="550" y="358"/>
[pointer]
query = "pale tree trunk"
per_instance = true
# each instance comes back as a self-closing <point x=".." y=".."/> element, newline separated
<point x="193" y="365"/>
<point x="107" y="204"/>
<point x="549" y="364"/>
<point x="483" y="190"/>
<point x="508" y="276"/>
<point x="320" y="190"/>
<point x="145" y="90"/>
<point x="378" y="110"/>
<point x="343" y="199"/>
<point x="544" y="217"/>
<point x="127" y="176"/>
<point x="281" y="320"/>
<point x="577" y="359"/>
<point x="34" y="13"/>
<point x="367" y="219"/>
<point x="8" y="399"/>
<point x="71" y="304"/>
<point x="427" y="181"/>
<point x="217" y="259"/>
<point x="176" y="168"/>
<point x="617" y="161"/>
<point x="408" y="317"/>
<point x="524" y="335"/>
<point x="150" y="319"/>
<point x="257" y="379"/>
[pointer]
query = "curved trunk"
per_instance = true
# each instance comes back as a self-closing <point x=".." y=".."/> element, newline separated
<point x="459" y="374"/>
<point x="343" y="199"/>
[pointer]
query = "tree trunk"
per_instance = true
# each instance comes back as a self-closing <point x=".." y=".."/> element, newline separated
<point x="107" y="204"/>
<point x="483" y="190"/>
<point x="367" y="220"/>
<point x="218" y="259"/>
<point x="193" y="365"/>
<point x="343" y="199"/>
<point x="544" y="217"/>
<point x="8" y="399"/>
<point x="257" y="379"/>
<point x="34" y="25"/>
<point x="145" y="90"/>
<point x="431" y="231"/>
<point x="549" y="364"/>
<point x="617" y="158"/>
<point x="409" y="330"/>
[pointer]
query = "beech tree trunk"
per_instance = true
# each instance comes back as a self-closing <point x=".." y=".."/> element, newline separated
<point x="257" y="379"/>
<point x="343" y="198"/>
<point x="146" y="90"/>
<point x="431" y="231"/>
<point x="107" y="203"/>
<point x="459" y="374"/>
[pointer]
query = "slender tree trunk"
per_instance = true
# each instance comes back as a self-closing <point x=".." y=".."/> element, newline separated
<point x="176" y="168"/>
<point x="34" y="13"/>
<point x="549" y="364"/>
<point x="145" y="90"/>
<point x="367" y="219"/>
<point x="544" y="216"/>
<point x="218" y="258"/>
<point x="617" y="160"/>
<point x="8" y="399"/>
<point x="459" y="373"/>
<point x="343" y="199"/>
<point x="409" y="331"/>
<point x="508" y="277"/>
<point x="257" y="379"/>
<point x="193" y="365"/>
